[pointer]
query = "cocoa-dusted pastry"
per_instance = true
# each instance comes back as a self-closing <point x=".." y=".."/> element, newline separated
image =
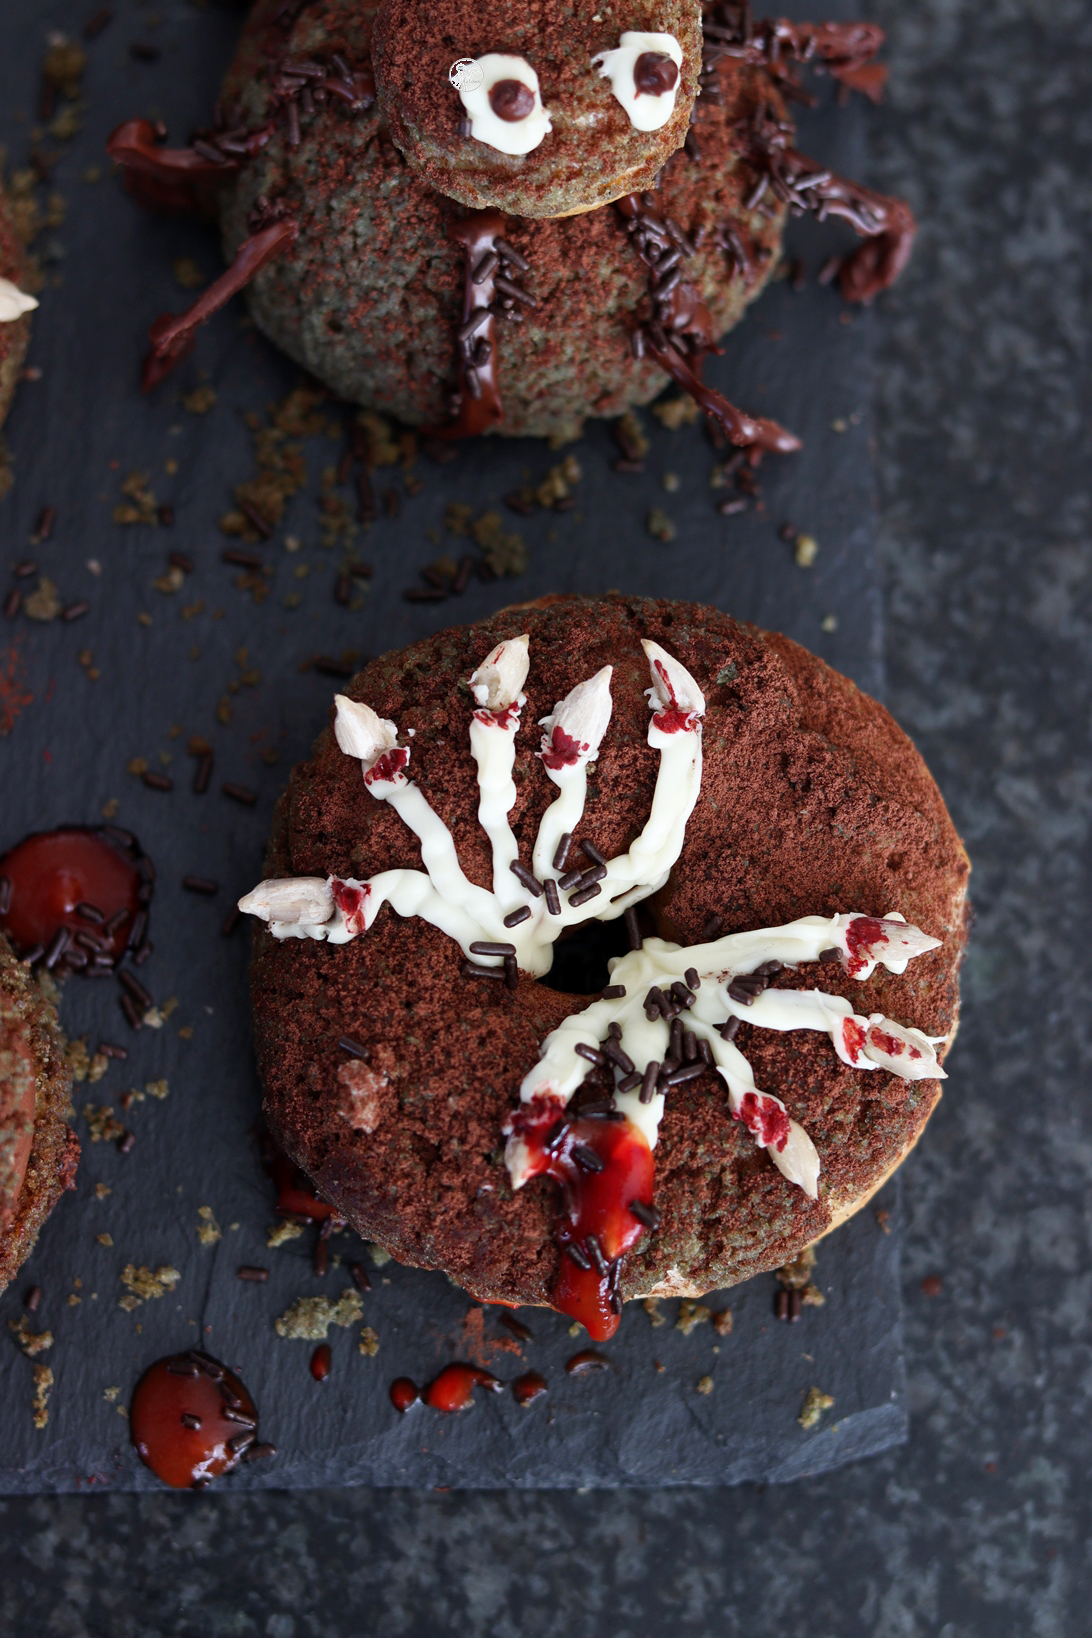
<point x="732" y="867"/>
<point x="15" y="307"/>
<point x="38" y="1150"/>
<point x="349" y="139"/>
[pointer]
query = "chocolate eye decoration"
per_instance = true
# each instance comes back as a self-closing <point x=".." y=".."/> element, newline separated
<point x="644" y="76"/>
<point x="505" y="108"/>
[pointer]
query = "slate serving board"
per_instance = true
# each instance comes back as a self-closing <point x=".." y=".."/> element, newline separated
<point x="75" y="434"/>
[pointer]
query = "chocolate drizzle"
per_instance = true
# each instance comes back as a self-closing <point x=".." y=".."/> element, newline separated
<point x="886" y="224"/>
<point x="845" y="50"/>
<point x="491" y="289"/>
<point x="172" y="336"/>
<point x="681" y="332"/>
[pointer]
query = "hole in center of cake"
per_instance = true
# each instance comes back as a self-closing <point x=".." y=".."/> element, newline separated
<point x="580" y="959"/>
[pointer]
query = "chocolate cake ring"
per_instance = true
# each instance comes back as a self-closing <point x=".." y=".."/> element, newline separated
<point x="760" y="834"/>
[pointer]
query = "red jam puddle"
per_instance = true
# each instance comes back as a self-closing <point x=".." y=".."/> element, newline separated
<point x="192" y="1419"/>
<point x="94" y="884"/>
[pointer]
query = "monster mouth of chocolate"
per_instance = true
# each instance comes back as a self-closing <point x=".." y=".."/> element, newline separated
<point x="337" y="159"/>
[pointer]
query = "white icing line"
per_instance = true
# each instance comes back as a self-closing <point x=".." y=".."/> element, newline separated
<point x="646" y="111"/>
<point x="870" y="1043"/>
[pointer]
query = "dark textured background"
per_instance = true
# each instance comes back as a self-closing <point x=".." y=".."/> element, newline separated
<point x="979" y="1525"/>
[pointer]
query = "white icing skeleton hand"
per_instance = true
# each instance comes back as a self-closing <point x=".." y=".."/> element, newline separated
<point x="516" y="924"/>
<point x="703" y="992"/>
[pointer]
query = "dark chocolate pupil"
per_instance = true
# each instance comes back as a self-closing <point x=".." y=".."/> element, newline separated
<point x="653" y="73"/>
<point x="512" y="100"/>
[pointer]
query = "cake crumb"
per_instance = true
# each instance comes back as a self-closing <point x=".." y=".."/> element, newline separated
<point x="705" y="1384"/>
<point x="812" y="1297"/>
<point x="722" y="1323"/>
<point x="102" y="1123"/>
<point x="102" y="1190"/>
<point x="814" y="1405"/>
<point x="379" y="1256"/>
<point x="208" y="1229"/>
<point x="369" y="1342"/>
<point x="31" y="1342"/>
<point x="884" y="1220"/>
<point x="43" y="1383"/>
<point x="110" y="1394"/>
<point x="805" y="550"/>
<point x="309" y="1318"/>
<point x="674" y="413"/>
<point x="651" y="1306"/>
<point x="280" y="1233"/>
<point x="105" y="1239"/>
<point x="691" y="1314"/>
<point x="796" y="1275"/>
<point x="143" y="1283"/>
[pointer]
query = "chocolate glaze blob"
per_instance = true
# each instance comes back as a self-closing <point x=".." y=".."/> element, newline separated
<point x="508" y="219"/>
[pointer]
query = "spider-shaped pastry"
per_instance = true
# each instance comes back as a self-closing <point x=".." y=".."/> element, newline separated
<point x="508" y="218"/>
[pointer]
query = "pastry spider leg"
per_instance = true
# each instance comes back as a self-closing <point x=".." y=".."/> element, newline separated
<point x="172" y="336"/>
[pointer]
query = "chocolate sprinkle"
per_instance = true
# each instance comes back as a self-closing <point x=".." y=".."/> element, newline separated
<point x="648" y="1215"/>
<point x="553" y="900"/>
<point x="530" y="882"/>
<point x="517" y="916"/>
<point x="614" y="992"/>
<point x="247" y="1271"/>
<point x="562" y="852"/>
<point x="353" y="1048"/>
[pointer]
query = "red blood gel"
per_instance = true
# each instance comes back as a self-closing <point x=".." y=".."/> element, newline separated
<point x="594" y="1203"/>
<point x="453" y="1389"/>
<point x="54" y="871"/>
<point x="320" y="1362"/>
<point x="864" y="936"/>
<point x="403" y="1394"/>
<point x="528" y="1387"/>
<point x="191" y="1428"/>
<point x="295" y="1196"/>
<point x="587" y="1360"/>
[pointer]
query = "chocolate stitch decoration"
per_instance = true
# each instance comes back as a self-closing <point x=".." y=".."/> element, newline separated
<point x="342" y="161"/>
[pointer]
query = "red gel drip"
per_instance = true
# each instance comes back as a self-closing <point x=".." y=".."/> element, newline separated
<point x="320" y="1362"/>
<point x="864" y="936"/>
<point x="188" y="1456"/>
<point x="587" y="1360"/>
<point x="528" y="1387"/>
<point x="595" y="1203"/>
<point x="453" y="1389"/>
<point x="403" y="1394"/>
<point x="295" y="1196"/>
<point x="54" y="871"/>
<point x="563" y="751"/>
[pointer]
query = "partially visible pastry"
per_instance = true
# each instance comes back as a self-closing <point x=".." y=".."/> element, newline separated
<point x="38" y="1149"/>
<point x="15" y="307"/>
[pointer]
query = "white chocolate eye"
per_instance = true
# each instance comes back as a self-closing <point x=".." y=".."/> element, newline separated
<point x="505" y="110"/>
<point x="644" y="74"/>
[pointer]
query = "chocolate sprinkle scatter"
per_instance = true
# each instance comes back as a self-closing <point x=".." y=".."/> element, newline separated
<point x="247" y="1271"/>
